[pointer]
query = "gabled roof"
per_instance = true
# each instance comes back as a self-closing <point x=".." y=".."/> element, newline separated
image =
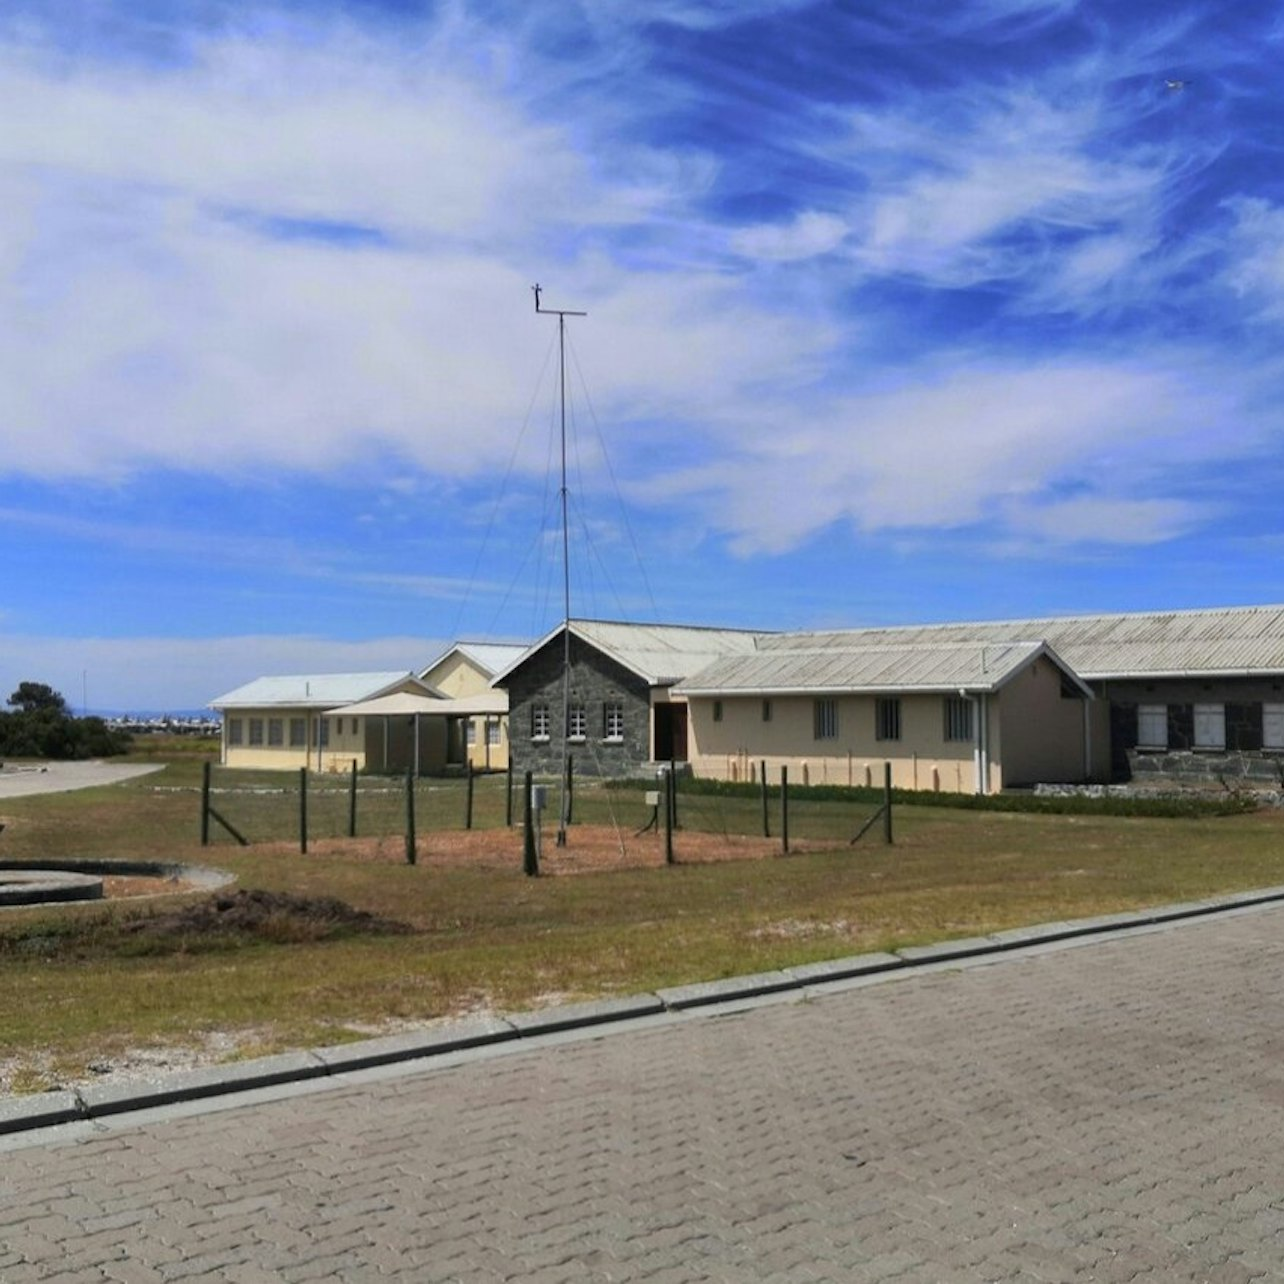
<point x="408" y="703"/>
<point x="660" y="654"/>
<point x="489" y="657"/>
<point x="857" y="667"/>
<point x="315" y="690"/>
<point x="1229" y="641"/>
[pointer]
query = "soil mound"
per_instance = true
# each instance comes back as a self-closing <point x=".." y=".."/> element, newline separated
<point x="263" y="915"/>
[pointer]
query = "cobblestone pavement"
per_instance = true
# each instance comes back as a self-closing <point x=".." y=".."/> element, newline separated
<point x="1111" y="1112"/>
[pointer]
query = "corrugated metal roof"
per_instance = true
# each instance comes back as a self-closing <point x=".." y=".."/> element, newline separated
<point x="1229" y="640"/>
<point x="490" y="657"/>
<point x="660" y="654"/>
<point x="312" y="690"/>
<point x="909" y="666"/>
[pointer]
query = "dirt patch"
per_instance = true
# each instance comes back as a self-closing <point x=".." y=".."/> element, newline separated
<point x="263" y="915"/>
<point x="589" y="849"/>
<point x="124" y="886"/>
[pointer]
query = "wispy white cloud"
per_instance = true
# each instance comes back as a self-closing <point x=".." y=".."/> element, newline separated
<point x="163" y="673"/>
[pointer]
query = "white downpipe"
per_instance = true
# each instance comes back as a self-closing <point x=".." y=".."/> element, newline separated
<point x="985" y="743"/>
<point x="980" y="743"/>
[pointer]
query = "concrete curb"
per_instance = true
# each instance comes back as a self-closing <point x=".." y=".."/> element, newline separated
<point x="44" y="1110"/>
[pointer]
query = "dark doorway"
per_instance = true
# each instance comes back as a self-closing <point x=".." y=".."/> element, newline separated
<point x="670" y="732"/>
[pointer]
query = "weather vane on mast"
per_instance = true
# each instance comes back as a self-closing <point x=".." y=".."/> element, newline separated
<point x="564" y="807"/>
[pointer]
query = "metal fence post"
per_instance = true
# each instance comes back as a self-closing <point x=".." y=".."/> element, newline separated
<point x="205" y="804"/>
<point x="411" y="854"/>
<point x="530" y="858"/>
<point x="303" y="810"/>
<point x="887" y="802"/>
<point x="784" y="810"/>
<point x="352" y="802"/>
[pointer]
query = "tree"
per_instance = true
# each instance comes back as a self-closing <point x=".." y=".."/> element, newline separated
<point x="38" y="724"/>
<point x="37" y="697"/>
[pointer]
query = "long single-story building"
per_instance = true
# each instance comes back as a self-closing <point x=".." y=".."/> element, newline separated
<point x="961" y="707"/>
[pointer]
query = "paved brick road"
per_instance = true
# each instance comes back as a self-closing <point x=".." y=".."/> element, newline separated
<point x="1109" y="1112"/>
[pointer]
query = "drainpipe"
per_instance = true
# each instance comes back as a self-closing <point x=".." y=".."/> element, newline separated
<point x="980" y="742"/>
<point x="985" y="743"/>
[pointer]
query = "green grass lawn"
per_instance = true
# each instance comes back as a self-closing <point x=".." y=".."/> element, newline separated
<point x="489" y="938"/>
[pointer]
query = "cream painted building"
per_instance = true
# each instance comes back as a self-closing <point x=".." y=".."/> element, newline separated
<point x="279" y="723"/>
<point x="958" y="718"/>
<point x="464" y="673"/>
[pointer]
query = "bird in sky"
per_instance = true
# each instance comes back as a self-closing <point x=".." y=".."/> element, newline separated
<point x="1175" y="84"/>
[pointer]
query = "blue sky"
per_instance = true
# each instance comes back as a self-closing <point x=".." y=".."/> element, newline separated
<point x="897" y="313"/>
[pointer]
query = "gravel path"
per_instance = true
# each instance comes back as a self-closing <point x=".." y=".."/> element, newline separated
<point x="58" y="777"/>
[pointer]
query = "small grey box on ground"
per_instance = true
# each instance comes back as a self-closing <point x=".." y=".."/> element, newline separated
<point x="571" y="1016"/>
<point x="732" y="987"/>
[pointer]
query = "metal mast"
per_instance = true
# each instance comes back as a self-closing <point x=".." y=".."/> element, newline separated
<point x="564" y="802"/>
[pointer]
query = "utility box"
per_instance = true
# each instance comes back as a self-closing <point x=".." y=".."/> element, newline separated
<point x="539" y="797"/>
<point x="652" y="797"/>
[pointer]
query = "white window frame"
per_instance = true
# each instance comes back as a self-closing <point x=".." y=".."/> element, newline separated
<point x="576" y="721"/>
<point x="1152" y="726"/>
<point x="470" y="732"/>
<point x="1210" y="726"/>
<point x="256" y="732"/>
<point x="613" y="721"/>
<point x="492" y="732"/>
<point x="1273" y="726"/>
<point x="539" y="721"/>
<point x="234" y="731"/>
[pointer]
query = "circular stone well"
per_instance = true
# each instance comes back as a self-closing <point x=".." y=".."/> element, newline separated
<point x="39" y="886"/>
<point x="35" y="882"/>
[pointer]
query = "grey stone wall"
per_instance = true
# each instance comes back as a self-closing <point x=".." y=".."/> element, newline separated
<point x="595" y="680"/>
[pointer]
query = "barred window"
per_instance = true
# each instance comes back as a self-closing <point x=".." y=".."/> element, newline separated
<point x="298" y="733"/>
<point x="717" y="711"/>
<point x="766" y="711"/>
<point x="1152" y="726"/>
<point x="576" y="721"/>
<point x="958" y="718"/>
<point x="276" y="732"/>
<point x="470" y="732"/>
<point x="256" y="731"/>
<point x="825" y="718"/>
<point x="613" y="720"/>
<point x="887" y="718"/>
<point x="323" y="735"/>
<point x="234" y="731"/>
<point x="539" y="721"/>
<point x="492" y="732"/>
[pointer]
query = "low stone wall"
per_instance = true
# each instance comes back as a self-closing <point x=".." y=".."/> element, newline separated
<point x="1253" y="770"/>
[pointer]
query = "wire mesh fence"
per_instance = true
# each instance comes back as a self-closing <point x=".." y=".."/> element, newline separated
<point x="610" y="822"/>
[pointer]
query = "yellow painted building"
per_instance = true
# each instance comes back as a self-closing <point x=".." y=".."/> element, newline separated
<point x="278" y="723"/>
<point x="464" y="673"/>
